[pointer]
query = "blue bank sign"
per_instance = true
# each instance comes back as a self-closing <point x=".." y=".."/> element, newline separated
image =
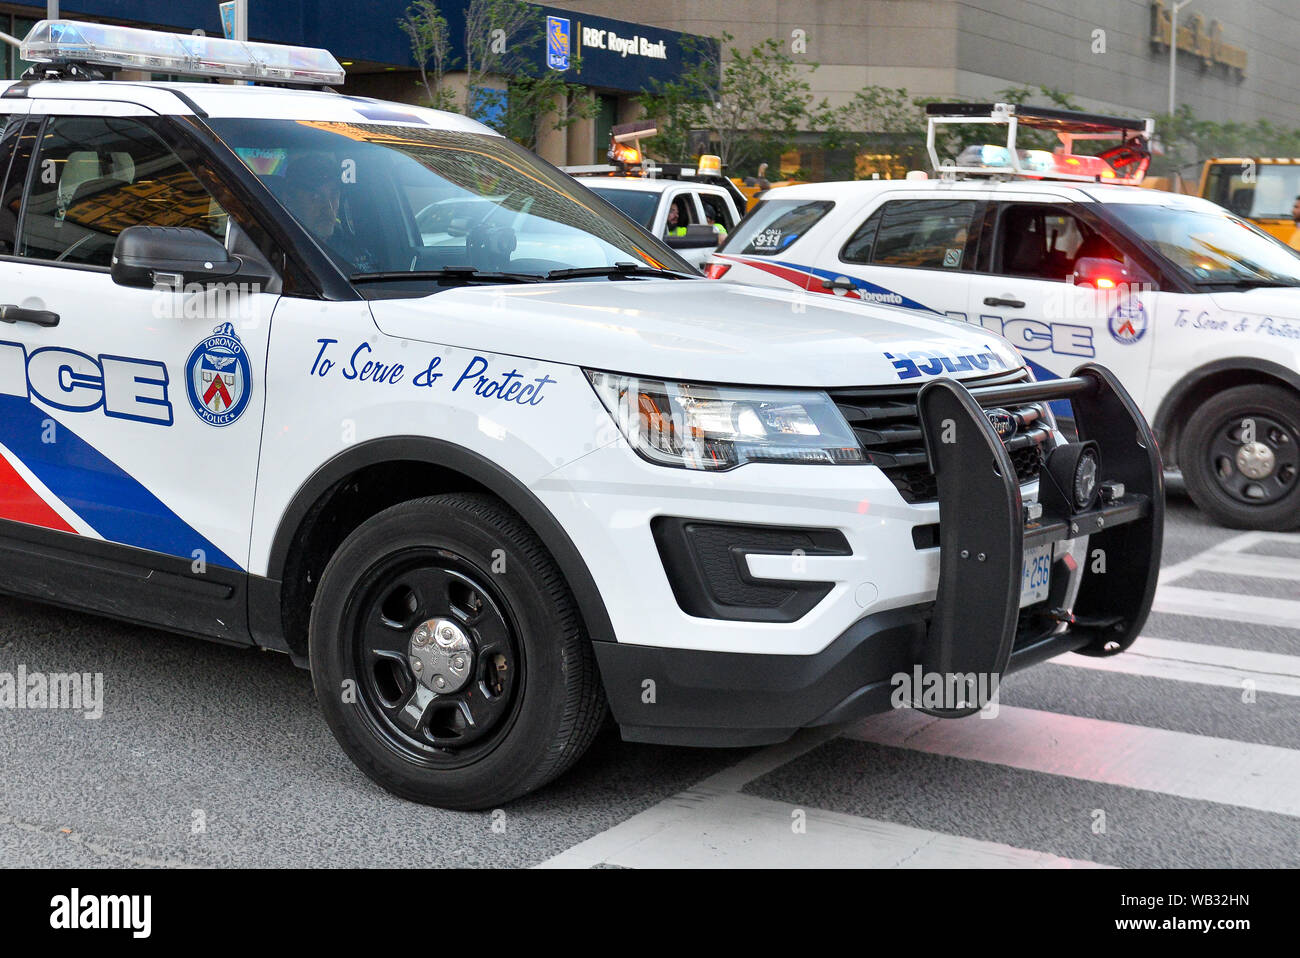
<point x="616" y="54"/>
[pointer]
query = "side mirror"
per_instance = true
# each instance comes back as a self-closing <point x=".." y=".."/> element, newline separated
<point x="696" y="237"/>
<point x="1103" y="273"/>
<point x="151" y="256"/>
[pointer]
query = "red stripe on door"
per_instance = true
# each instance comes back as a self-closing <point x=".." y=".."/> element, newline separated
<point x="18" y="501"/>
<point x="808" y="281"/>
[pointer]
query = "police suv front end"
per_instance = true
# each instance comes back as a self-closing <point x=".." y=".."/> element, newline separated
<point x="785" y="555"/>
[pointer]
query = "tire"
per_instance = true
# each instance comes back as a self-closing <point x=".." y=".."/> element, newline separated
<point x="1211" y="456"/>
<point x="531" y="701"/>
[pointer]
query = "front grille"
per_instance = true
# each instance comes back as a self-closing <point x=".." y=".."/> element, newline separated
<point x="885" y="421"/>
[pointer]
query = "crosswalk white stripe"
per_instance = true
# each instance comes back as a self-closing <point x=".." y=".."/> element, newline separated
<point x="1188" y="566"/>
<point x="1203" y="664"/>
<point x="1245" y="774"/>
<point x="1232" y="606"/>
<point x="707" y="829"/>
<point x="1249" y="564"/>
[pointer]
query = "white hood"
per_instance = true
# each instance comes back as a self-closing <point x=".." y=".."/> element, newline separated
<point x="1280" y="302"/>
<point x="701" y="331"/>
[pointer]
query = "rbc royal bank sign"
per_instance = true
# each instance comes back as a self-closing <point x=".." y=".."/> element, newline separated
<point x="616" y="54"/>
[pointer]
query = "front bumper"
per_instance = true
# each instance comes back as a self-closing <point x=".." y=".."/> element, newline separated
<point x="975" y="625"/>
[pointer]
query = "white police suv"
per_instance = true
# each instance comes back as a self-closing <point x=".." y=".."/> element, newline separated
<point x="492" y="470"/>
<point x="1196" y="310"/>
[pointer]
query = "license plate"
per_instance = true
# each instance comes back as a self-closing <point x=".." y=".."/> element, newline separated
<point x="1035" y="575"/>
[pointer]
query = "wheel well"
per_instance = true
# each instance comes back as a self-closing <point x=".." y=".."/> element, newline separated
<point x="336" y="513"/>
<point x="1185" y="398"/>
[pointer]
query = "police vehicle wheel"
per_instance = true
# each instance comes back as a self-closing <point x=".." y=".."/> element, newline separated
<point x="448" y="655"/>
<point x="1240" y="457"/>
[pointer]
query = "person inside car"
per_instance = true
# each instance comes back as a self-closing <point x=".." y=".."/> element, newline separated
<point x="312" y="190"/>
<point x="677" y="219"/>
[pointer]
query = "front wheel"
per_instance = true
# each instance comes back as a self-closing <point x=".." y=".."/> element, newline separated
<point x="1240" y="457"/>
<point x="448" y="656"/>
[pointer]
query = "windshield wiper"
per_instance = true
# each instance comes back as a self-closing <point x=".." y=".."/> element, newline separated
<point x="461" y="274"/>
<point x="618" y="269"/>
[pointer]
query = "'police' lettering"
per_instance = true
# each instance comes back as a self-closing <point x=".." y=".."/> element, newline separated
<point x="1032" y="335"/>
<point x="124" y="387"/>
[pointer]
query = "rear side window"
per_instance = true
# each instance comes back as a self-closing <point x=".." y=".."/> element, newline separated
<point x="858" y="248"/>
<point x="924" y="234"/>
<point x="774" y="224"/>
<point x="105" y="174"/>
<point x="9" y="127"/>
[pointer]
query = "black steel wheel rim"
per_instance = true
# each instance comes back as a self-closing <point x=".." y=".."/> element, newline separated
<point x="1279" y="438"/>
<point x="396" y="596"/>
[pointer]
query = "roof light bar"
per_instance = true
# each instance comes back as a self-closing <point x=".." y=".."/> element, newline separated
<point x="1037" y="164"/>
<point x="1125" y="163"/>
<point x="129" y="48"/>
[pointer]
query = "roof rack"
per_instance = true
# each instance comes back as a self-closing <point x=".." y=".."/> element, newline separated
<point x="1126" y="163"/>
<point x="70" y="49"/>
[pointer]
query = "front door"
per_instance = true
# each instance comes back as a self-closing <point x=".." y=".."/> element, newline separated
<point x="128" y="417"/>
<point x="1030" y="294"/>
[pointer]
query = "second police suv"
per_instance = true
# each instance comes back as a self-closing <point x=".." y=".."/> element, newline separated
<point x="1195" y="309"/>
<point x="372" y="386"/>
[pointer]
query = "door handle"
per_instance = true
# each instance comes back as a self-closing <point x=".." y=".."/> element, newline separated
<point x="845" y="284"/>
<point x="1000" y="301"/>
<point x="37" y="317"/>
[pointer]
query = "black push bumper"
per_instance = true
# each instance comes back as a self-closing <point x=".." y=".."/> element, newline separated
<point x="975" y="625"/>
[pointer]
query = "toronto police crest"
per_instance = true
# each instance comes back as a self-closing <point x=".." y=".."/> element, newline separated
<point x="1128" y="322"/>
<point x="219" y="377"/>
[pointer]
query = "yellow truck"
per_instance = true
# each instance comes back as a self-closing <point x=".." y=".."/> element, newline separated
<point x="1262" y="189"/>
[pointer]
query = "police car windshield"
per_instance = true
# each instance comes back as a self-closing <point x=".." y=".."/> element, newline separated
<point x="393" y="200"/>
<point x="1212" y="248"/>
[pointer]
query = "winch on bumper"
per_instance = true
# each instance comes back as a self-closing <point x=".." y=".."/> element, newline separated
<point x="1104" y="491"/>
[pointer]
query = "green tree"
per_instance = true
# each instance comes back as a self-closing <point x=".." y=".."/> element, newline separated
<point x="751" y="103"/>
<point x="426" y="28"/>
<point x="502" y="85"/>
<point x="886" y="121"/>
<point x="878" y="120"/>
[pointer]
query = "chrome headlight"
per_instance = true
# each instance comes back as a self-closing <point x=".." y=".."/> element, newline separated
<point x="720" y="427"/>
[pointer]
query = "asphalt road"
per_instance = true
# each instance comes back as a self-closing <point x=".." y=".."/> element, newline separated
<point x="1185" y="751"/>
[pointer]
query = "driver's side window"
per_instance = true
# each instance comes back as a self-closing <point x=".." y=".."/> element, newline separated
<point x="1040" y="241"/>
<point x="95" y="176"/>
